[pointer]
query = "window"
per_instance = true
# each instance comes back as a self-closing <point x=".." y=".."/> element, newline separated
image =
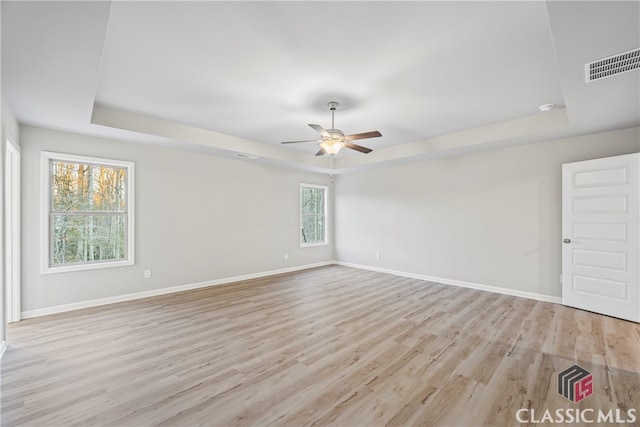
<point x="87" y="213"/>
<point x="313" y="215"/>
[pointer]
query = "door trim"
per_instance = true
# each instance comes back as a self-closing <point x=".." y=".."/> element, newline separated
<point x="12" y="229"/>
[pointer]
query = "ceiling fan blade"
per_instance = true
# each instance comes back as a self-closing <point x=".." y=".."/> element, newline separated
<point x="320" y="130"/>
<point x="372" y="134"/>
<point x="322" y="152"/>
<point x="357" y="147"/>
<point x="295" y="142"/>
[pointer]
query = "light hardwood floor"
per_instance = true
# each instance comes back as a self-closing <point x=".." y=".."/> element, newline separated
<point x="327" y="346"/>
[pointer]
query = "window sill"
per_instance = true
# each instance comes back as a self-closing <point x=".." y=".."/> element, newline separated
<point x="311" y="245"/>
<point x="83" y="267"/>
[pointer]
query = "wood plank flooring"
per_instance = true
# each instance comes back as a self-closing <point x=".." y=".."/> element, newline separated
<point x="327" y="346"/>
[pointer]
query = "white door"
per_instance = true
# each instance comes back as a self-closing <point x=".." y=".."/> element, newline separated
<point x="601" y="236"/>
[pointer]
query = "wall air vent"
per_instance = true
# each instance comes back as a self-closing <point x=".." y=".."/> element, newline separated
<point x="612" y="65"/>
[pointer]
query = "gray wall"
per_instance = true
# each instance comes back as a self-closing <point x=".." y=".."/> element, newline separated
<point x="198" y="218"/>
<point x="491" y="218"/>
<point x="10" y="125"/>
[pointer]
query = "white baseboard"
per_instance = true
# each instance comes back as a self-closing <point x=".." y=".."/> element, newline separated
<point x="495" y="289"/>
<point x="163" y="291"/>
<point x="129" y="297"/>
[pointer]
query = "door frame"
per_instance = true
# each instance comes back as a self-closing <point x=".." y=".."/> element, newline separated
<point x="12" y="229"/>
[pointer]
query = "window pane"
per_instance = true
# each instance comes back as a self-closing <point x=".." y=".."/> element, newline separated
<point x="87" y="238"/>
<point x="312" y="214"/>
<point x="86" y="187"/>
<point x="312" y="201"/>
<point x="312" y="229"/>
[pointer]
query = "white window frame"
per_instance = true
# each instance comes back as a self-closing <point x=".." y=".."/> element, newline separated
<point x="326" y="217"/>
<point x="45" y="244"/>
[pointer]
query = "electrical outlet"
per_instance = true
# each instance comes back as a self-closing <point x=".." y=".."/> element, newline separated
<point x="147" y="274"/>
<point x="377" y="255"/>
<point x="286" y="257"/>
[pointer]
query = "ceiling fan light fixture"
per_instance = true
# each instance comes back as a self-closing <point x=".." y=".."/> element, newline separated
<point x="332" y="146"/>
<point x="334" y="139"/>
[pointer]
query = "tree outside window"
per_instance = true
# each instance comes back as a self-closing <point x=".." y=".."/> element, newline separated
<point x="313" y="208"/>
<point x="88" y="212"/>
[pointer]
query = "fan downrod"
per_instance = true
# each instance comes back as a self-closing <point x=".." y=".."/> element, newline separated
<point x="332" y="106"/>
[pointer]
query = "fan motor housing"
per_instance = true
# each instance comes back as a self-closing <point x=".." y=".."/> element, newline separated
<point x="336" y="133"/>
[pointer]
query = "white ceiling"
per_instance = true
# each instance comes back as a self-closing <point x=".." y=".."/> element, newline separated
<point x="435" y="78"/>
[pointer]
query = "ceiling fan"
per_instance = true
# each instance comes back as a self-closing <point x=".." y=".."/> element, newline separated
<point x="334" y="139"/>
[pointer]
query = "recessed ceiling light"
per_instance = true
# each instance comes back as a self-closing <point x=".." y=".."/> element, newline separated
<point x="546" y="107"/>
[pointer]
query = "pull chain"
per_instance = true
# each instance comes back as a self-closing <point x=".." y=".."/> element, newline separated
<point x="331" y="175"/>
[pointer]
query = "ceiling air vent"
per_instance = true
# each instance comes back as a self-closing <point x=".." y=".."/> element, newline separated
<point x="612" y="65"/>
<point x="246" y="156"/>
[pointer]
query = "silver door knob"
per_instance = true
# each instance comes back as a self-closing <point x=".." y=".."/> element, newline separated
<point x="567" y="240"/>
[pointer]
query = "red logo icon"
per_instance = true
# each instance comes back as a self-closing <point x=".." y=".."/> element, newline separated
<point x="575" y="383"/>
